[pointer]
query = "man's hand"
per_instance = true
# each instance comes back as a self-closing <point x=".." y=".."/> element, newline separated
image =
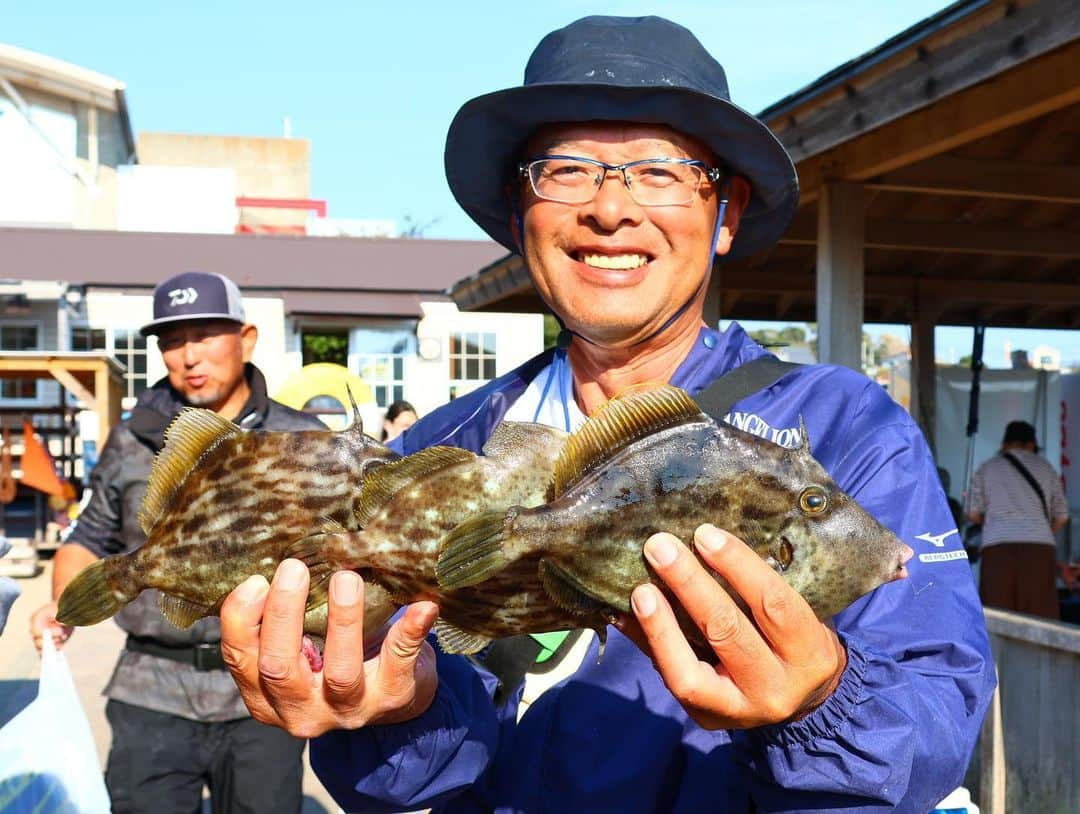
<point x="775" y="667"/>
<point x="44" y="618"/>
<point x="261" y="634"/>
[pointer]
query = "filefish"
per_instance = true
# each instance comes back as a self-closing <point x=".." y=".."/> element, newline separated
<point x="223" y="504"/>
<point x="653" y="461"/>
<point x="406" y="508"/>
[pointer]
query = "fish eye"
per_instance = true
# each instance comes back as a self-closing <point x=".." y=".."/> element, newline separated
<point x="813" y="500"/>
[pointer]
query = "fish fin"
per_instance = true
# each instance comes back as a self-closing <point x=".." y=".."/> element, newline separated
<point x="357" y="422"/>
<point x="453" y="639"/>
<point x="181" y="612"/>
<point x="385" y="481"/>
<point x="616" y="425"/>
<point x="473" y="550"/>
<point x="192" y="434"/>
<point x="565" y="591"/>
<point x="315" y="620"/>
<point x="319" y="586"/>
<point x="89" y="598"/>
<point x="804" y="438"/>
<point x="310" y="550"/>
<point x="332" y="526"/>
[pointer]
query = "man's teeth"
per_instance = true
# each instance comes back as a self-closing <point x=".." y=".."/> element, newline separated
<point x="617" y="261"/>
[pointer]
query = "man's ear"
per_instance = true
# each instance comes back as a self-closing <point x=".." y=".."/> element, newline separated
<point x="249" y="335"/>
<point x="738" y="196"/>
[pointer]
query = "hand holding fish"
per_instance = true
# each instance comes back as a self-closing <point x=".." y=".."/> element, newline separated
<point x="777" y="666"/>
<point x="261" y="634"/>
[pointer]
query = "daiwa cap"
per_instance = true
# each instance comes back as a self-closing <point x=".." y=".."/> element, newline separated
<point x="194" y="295"/>
<point x="633" y="69"/>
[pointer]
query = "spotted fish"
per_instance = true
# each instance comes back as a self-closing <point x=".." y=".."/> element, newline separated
<point x="223" y="504"/>
<point x="653" y="461"/>
<point x="408" y="506"/>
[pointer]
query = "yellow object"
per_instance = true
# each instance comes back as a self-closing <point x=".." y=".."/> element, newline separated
<point x="324" y="379"/>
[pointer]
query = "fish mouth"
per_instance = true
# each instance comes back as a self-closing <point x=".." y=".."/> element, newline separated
<point x="904" y="554"/>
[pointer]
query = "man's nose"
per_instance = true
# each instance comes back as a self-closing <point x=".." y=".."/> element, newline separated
<point x="613" y="205"/>
<point x="192" y="353"/>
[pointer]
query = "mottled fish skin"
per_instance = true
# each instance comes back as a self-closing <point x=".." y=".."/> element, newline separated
<point x="237" y="511"/>
<point x="398" y="547"/>
<point x="589" y="540"/>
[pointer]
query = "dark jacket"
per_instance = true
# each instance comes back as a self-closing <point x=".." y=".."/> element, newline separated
<point x="109" y="525"/>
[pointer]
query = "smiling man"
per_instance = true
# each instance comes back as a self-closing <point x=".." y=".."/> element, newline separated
<point x="177" y="719"/>
<point x="620" y="170"/>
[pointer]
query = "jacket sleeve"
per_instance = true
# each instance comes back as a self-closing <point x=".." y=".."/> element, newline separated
<point x="99" y="527"/>
<point x="418" y="763"/>
<point x="898" y="733"/>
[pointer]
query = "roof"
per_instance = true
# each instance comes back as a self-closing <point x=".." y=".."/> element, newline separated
<point x="60" y="78"/>
<point x="316" y="275"/>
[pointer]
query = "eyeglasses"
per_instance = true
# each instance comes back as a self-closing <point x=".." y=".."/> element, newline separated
<point x="650" y="181"/>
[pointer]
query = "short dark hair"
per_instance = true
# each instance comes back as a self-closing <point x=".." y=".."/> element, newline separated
<point x="1019" y="432"/>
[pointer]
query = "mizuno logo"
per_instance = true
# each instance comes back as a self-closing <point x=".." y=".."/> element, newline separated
<point x="936" y="539"/>
<point x="182" y="296"/>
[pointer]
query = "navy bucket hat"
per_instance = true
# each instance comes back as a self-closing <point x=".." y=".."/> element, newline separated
<point x="634" y="69"/>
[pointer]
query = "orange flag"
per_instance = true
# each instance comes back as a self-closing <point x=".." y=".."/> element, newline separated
<point x="38" y="467"/>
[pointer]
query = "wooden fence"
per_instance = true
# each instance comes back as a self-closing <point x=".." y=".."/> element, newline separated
<point x="1028" y="758"/>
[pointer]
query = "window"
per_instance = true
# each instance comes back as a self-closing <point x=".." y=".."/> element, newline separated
<point x="15" y="336"/>
<point x="129" y="348"/>
<point x="379" y="355"/>
<point x="472" y="360"/>
<point x="83" y="339"/>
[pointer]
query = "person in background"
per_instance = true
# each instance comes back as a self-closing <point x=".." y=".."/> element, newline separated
<point x="619" y="172"/>
<point x="399" y="417"/>
<point x="1019" y="501"/>
<point x="177" y="719"/>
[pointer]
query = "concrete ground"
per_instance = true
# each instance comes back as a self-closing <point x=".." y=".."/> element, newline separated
<point x="91" y="653"/>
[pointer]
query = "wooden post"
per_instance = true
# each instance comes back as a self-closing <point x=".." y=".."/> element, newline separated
<point x="841" y="228"/>
<point x="923" y="366"/>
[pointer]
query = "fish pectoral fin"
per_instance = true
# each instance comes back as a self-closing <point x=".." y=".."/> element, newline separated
<point x="310" y="550"/>
<point x="181" y="612"/>
<point x="565" y="591"/>
<point x="453" y="639"/>
<point x="473" y="550"/>
<point x="383" y="482"/>
<point x="191" y="435"/>
<point x="319" y="586"/>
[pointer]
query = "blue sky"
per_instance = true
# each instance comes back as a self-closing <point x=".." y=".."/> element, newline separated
<point x="374" y="85"/>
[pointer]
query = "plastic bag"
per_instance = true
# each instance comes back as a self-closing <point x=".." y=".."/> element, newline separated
<point x="48" y="762"/>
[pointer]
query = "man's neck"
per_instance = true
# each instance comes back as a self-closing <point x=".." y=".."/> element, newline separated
<point x="232" y="406"/>
<point x="601" y="372"/>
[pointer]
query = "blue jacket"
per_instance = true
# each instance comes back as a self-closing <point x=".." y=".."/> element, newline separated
<point x="896" y="735"/>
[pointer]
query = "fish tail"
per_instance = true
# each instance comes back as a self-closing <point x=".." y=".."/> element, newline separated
<point x="474" y="550"/>
<point x="91" y="597"/>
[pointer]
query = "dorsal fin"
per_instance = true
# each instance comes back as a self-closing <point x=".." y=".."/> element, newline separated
<point x="357" y="422"/>
<point x="192" y="434"/>
<point x="616" y="425"/>
<point x="383" y="482"/>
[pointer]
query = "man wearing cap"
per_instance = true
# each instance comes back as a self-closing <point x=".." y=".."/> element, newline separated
<point x="1019" y="501"/>
<point x="178" y="722"/>
<point x="618" y="171"/>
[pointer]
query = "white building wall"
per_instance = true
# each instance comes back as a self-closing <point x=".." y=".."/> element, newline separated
<point x="176" y="199"/>
<point x="37" y="188"/>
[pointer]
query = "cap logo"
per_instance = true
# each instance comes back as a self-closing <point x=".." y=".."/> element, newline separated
<point x="182" y="296"/>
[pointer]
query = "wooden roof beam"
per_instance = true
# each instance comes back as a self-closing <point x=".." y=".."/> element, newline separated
<point x="986" y="178"/>
<point x="951" y="238"/>
<point x="1025" y="92"/>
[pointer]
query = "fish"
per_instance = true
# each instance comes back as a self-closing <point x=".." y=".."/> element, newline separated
<point x="652" y="461"/>
<point x="407" y="507"/>
<point x="222" y="504"/>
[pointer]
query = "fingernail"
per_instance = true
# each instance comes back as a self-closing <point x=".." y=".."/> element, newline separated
<point x="661" y="550"/>
<point x="711" y="539"/>
<point x="290" y="574"/>
<point x="252" y="589"/>
<point x="643" y="600"/>
<point x="346" y="588"/>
